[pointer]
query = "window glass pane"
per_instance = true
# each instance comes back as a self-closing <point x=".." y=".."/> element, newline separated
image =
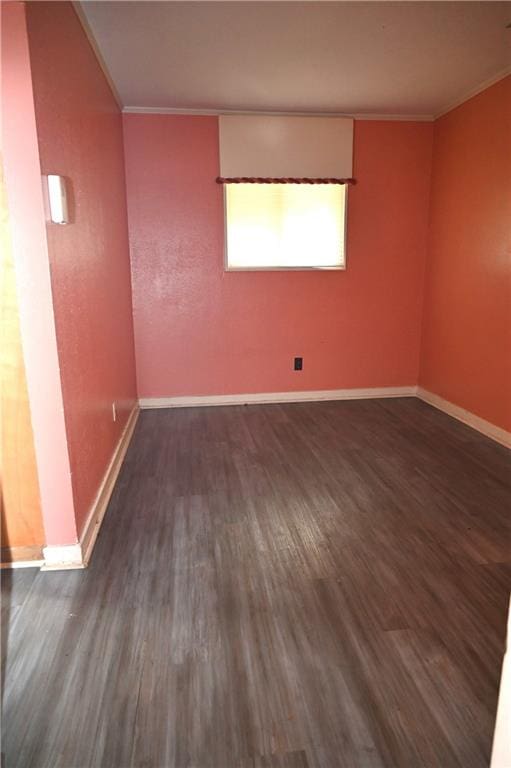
<point x="285" y="225"/>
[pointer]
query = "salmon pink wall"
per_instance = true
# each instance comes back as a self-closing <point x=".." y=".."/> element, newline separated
<point x="200" y="330"/>
<point x="25" y="216"/>
<point x="466" y="347"/>
<point x="80" y="137"/>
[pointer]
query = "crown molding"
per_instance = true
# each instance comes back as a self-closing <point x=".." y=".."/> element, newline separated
<point x="474" y="91"/>
<point x="82" y="18"/>
<point x="132" y="110"/>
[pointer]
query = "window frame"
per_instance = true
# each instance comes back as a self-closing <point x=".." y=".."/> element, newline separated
<point x="341" y="268"/>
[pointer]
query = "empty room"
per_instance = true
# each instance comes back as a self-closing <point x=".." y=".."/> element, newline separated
<point x="255" y="384"/>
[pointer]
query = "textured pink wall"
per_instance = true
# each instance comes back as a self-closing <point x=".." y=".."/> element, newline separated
<point x="466" y="349"/>
<point x="80" y="136"/>
<point x="28" y="237"/>
<point x="200" y="330"/>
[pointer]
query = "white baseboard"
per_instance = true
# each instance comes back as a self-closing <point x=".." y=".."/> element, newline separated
<point x="97" y="513"/>
<point x="78" y="555"/>
<point x="277" y="397"/>
<point x="470" y="419"/>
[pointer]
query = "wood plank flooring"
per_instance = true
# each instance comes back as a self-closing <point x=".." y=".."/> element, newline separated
<point x="299" y="586"/>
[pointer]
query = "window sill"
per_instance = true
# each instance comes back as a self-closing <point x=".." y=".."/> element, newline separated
<point x="285" y="269"/>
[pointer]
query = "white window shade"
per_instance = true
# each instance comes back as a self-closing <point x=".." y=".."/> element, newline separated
<point x="283" y="147"/>
<point x="285" y="226"/>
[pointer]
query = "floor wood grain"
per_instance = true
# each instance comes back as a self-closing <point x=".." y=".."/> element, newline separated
<point x="300" y="586"/>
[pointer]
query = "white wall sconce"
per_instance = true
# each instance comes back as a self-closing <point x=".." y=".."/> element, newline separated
<point x="57" y="199"/>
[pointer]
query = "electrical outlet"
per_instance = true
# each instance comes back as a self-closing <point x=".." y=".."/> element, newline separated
<point x="114" y="412"/>
<point x="298" y="363"/>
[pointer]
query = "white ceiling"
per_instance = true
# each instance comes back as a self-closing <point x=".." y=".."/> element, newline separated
<point x="388" y="58"/>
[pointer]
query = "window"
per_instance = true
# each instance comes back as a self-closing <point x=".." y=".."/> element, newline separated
<point x="285" y="226"/>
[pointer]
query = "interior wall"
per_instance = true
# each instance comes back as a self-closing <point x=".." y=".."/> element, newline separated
<point x="466" y="344"/>
<point x="200" y="330"/>
<point x="79" y="131"/>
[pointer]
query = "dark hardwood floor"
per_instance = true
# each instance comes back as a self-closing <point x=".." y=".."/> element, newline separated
<point x="309" y="585"/>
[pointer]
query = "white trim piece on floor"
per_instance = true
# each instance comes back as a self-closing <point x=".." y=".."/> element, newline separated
<point x="78" y="555"/>
<point x="59" y="558"/>
<point x="470" y="419"/>
<point x="277" y="397"/>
